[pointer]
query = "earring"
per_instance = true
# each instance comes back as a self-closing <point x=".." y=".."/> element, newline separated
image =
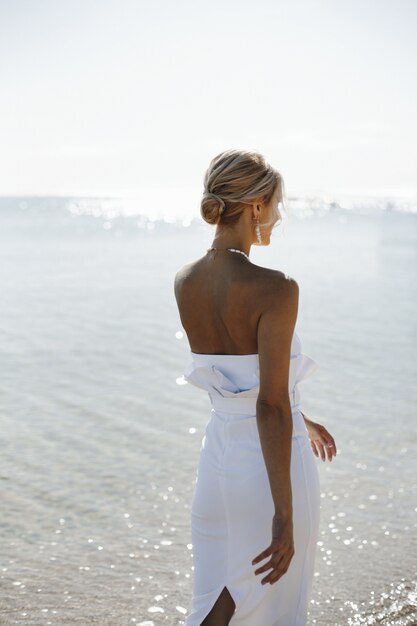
<point x="258" y="231"/>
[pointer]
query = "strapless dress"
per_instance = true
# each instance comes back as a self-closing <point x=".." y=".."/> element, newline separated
<point x="232" y="507"/>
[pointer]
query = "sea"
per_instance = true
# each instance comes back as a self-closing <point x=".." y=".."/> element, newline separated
<point x="100" y="433"/>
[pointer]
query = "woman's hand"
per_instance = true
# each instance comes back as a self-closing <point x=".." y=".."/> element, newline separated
<point x="281" y="549"/>
<point x="320" y="439"/>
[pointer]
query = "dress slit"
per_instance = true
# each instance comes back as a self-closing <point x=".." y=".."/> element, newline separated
<point x="215" y="602"/>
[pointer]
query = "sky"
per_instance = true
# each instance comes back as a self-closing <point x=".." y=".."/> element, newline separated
<point x="112" y="96"/>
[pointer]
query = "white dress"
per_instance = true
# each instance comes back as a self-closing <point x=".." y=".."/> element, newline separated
<point x="232" y="508"/>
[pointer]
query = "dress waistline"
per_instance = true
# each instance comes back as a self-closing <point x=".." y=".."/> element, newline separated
<point x="246" y="406"/>
<point x="241" y="411"/>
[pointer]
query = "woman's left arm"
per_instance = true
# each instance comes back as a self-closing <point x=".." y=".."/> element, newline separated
<point x="320" y="439"/>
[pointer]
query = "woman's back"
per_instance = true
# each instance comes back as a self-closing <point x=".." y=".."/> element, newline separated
<point x="220" y="301"/>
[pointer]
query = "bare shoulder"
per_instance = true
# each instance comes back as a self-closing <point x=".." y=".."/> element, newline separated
<point x="275" y="288"/>
<point x="182" y="274"/>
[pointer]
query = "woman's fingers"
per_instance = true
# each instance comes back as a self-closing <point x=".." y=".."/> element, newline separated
<point x="313" y="445"/>
<point x="323" y="443"/>
<point x="279" y="569"/>
<point x="321" y="450"/>
<point x="262" y="556"/>
<point x="331" y="445"/>
<point x="279" y="563"/>
<point x="330" y="452"/>
<point x="317" y="445"/>
<point x="328" y="441"/>
<point x="265" y="567"/>
<point x="270" y="550"/>
<point x="274" y="576"/>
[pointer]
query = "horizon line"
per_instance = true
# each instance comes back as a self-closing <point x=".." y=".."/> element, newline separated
<point x="405" y="192"/>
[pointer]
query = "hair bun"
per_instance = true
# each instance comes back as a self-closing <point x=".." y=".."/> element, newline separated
<point x="212" y="207"/>
<point x="217" y="198"/>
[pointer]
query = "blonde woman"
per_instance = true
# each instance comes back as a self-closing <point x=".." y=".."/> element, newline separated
<point x="257" y="469"/>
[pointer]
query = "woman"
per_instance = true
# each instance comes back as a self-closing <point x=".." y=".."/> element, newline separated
<point x="256" y="466"/>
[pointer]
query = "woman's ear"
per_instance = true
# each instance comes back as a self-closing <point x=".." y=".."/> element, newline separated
<point x="255" y="210"/>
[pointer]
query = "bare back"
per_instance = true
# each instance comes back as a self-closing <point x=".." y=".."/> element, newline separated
<point x="229" y="306"/>
<point x="220" y="302"/>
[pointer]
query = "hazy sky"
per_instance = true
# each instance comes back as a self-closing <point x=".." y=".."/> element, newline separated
<point x="110" y="95"/>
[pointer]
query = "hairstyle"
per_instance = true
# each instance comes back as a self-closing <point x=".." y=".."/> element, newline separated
<point x="236" y="178"/>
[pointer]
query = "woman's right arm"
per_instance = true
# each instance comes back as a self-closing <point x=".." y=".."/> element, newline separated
<point x="274" y="418"/>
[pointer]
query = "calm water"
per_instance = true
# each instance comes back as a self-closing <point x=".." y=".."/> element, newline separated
<point x="100" y="440"/>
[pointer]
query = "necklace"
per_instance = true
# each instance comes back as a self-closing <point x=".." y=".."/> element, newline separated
<point x="231" y="250"/>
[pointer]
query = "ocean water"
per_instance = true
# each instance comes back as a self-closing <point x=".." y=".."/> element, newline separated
<point x="100" y="438"/>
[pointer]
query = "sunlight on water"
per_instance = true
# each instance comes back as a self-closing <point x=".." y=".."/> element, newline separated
<point x="181" y="205"/>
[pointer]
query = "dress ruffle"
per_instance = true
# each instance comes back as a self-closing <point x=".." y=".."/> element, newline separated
<point x="213" y="380"/>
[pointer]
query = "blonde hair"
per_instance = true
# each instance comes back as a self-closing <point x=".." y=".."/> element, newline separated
<point x="236" y="178"/>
